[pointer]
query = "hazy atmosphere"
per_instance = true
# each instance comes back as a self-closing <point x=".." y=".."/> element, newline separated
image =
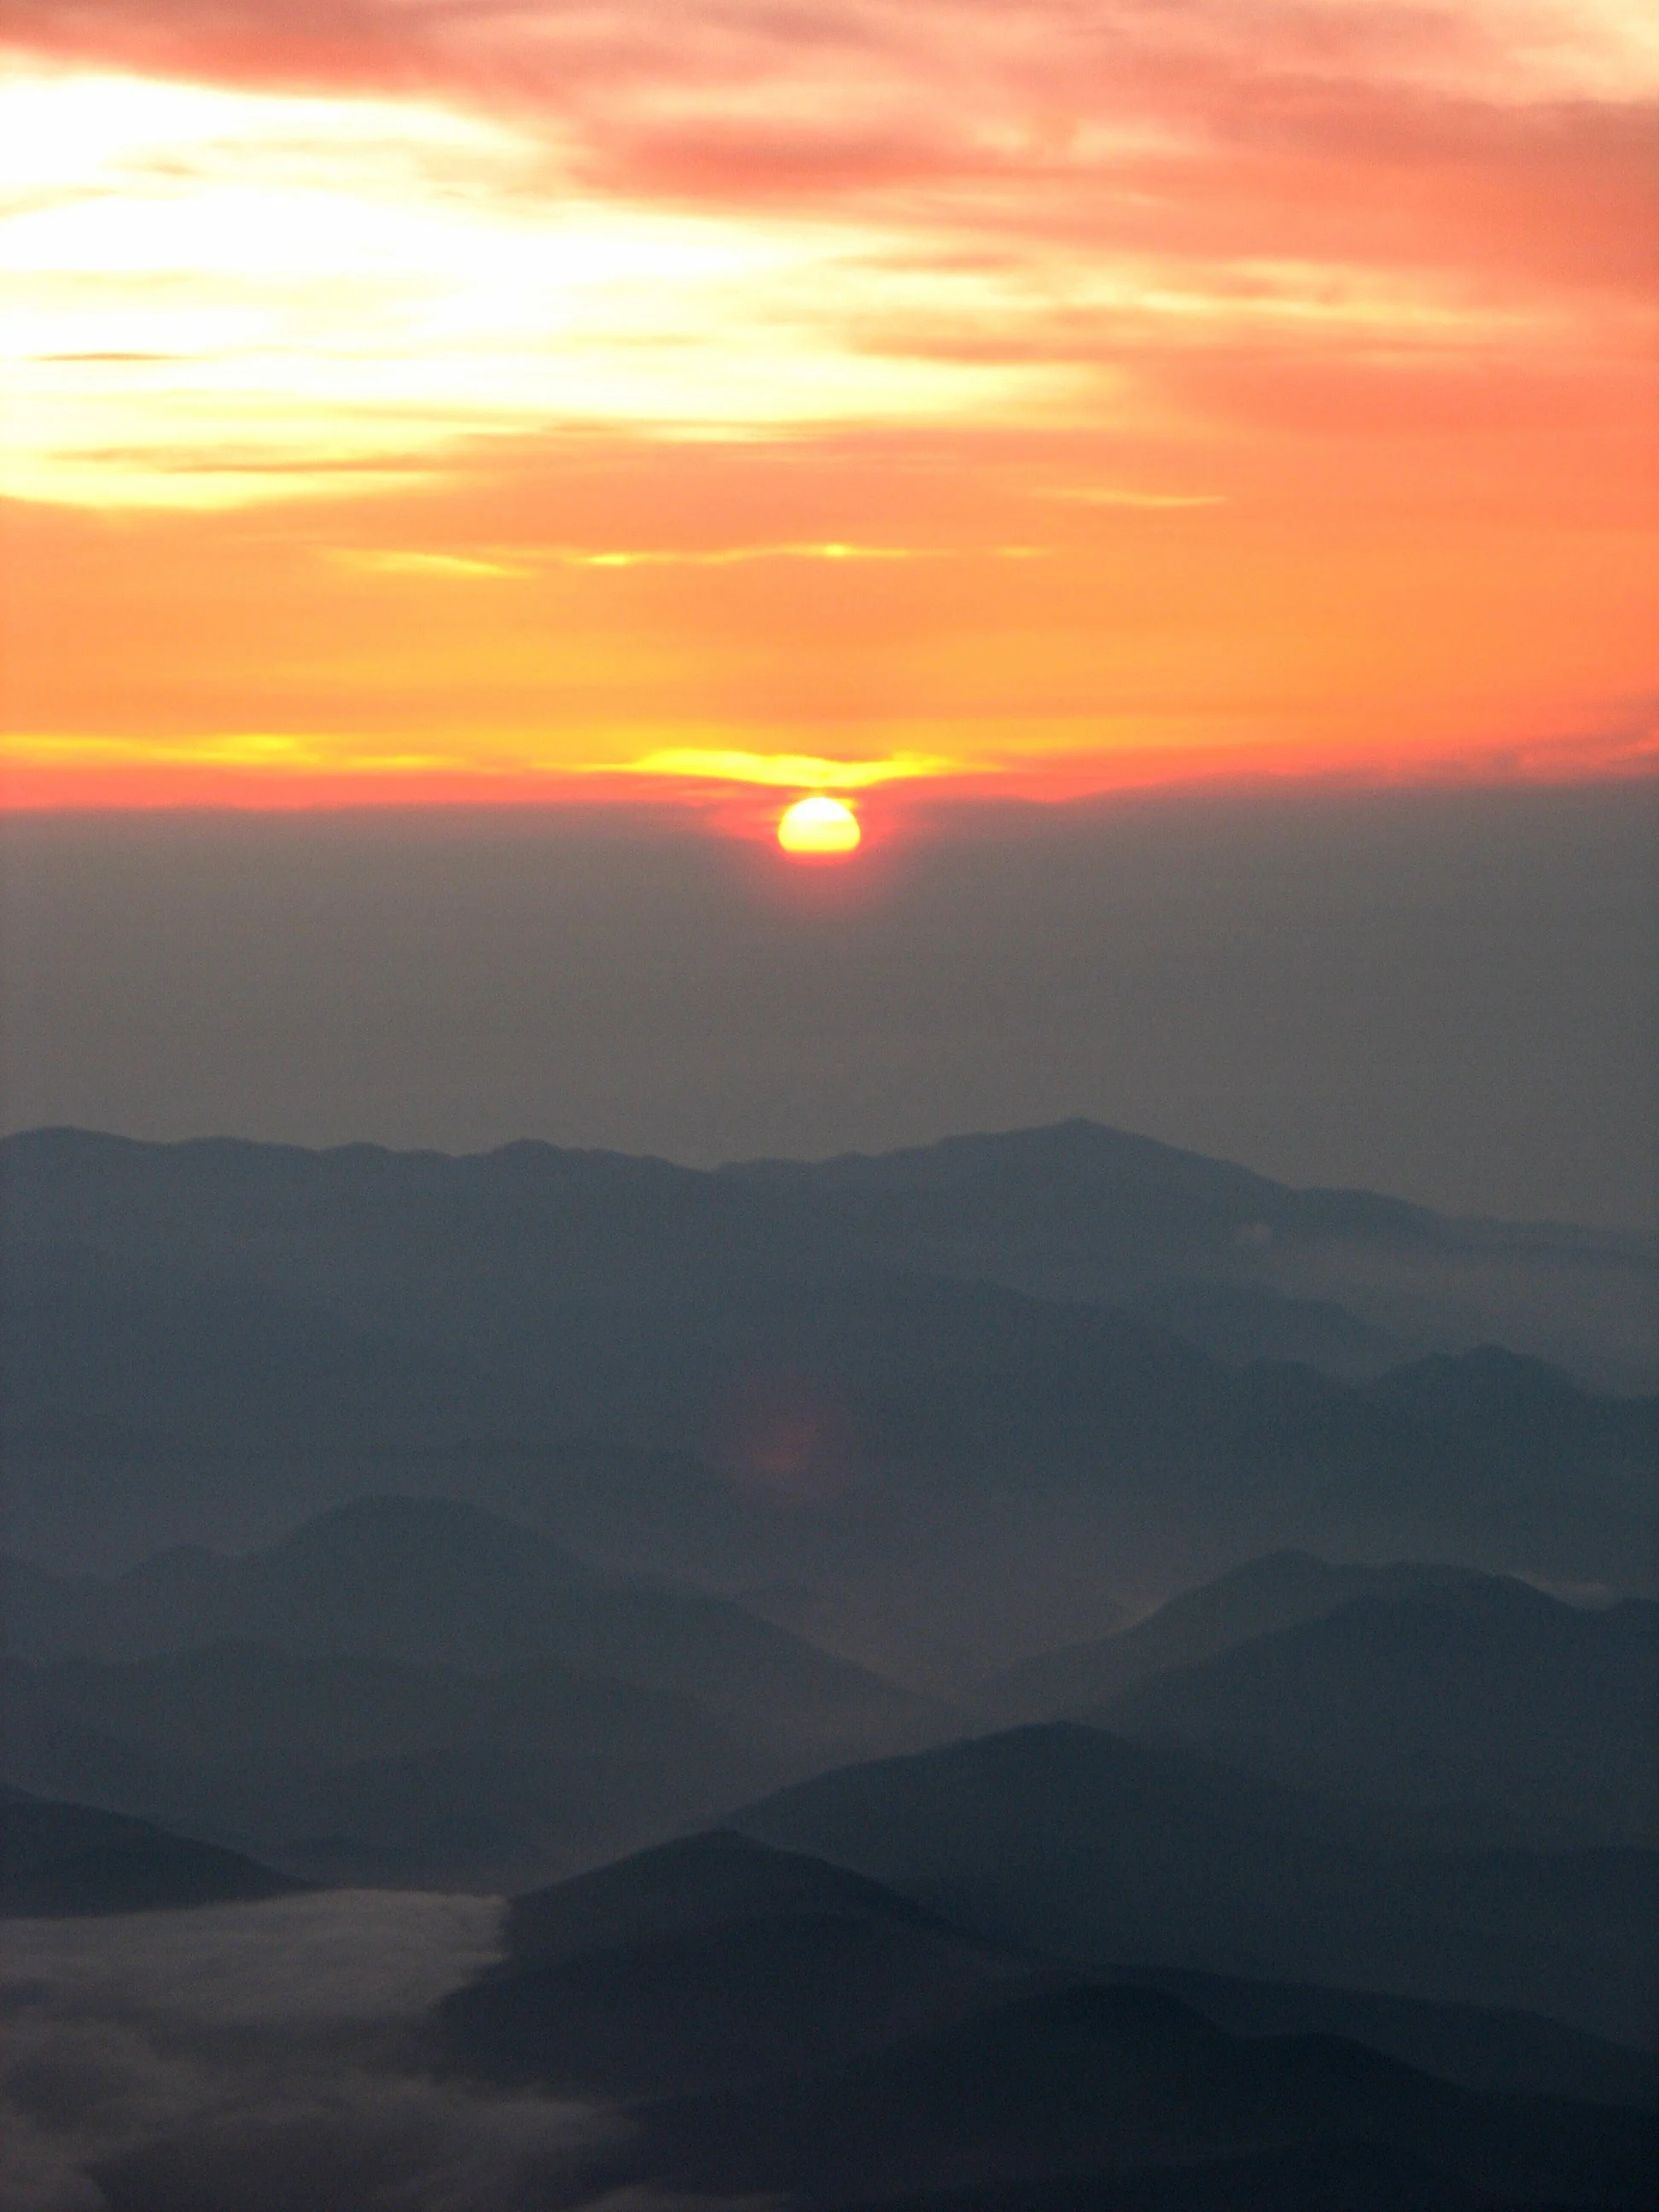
<point x="829" y="1106"/>
<point x="1449" y="995"/>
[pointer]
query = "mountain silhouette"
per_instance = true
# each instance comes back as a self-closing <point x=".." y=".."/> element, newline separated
<point x="1276" y="1592"/>
<point x="1484" y="1699"/>
<point x="1081" y="1846"/>
<point x="64" y="1860"/>
<point x="709" y="1963"/>
<point x="709" y="1375"/>
<point x="414" y="1689"/>
<point x="1106" y="2081"/>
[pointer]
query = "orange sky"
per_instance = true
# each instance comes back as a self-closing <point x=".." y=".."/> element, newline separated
<point x="434" y="397"/>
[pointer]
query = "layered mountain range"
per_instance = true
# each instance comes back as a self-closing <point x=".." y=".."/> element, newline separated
<point x="835" y="1392"/>
<point x="1004" y="1680"/>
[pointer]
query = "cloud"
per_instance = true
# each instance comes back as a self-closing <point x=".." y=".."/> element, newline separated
<point x="783" y="314"/>
<point x="444" y="566"/>
<point x="789" y="770"/>
<point x="527" y="558"/>
<point x="261" y="2058"/>
<point x="312" y="234"/>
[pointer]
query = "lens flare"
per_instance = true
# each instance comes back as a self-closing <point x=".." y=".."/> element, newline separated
<point x="819" y="827"/>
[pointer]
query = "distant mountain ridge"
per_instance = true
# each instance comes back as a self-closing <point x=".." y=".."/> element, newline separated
<point x="1249" y="1266"/>
<point x="711" y="1376"/>
<point x="1482" y="1699"/>
<point x="431" y="1581"/>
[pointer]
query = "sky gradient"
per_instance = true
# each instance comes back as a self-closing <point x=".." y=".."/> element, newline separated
<point x="435" y="399"/>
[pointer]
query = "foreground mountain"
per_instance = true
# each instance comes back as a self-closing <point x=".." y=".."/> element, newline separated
<point x="708" y="1964"/>
<point x="1106" y="2082"/>
<point x="775" y="2022"/>
<point x="1083" y="1846"/>
<point x="717" y="1959"/>
<point x="1511" y="2052"/>
<point x="1485" y="1702"/>
<point x="58" y="1861"/>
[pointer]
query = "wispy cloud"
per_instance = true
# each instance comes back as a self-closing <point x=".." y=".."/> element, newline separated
<point x="1115" y="495"/>
<point x="526" y="561"/>
<point x="443" y="566"/>
<point x="796" y="316"/>
<point x="801" y="771"/>
<point x="382" y="229"/>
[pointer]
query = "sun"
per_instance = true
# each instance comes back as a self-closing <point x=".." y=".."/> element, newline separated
<point x="819" y="826"/>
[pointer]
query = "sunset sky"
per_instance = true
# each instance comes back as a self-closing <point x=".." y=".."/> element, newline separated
<point x="441" y="399"/>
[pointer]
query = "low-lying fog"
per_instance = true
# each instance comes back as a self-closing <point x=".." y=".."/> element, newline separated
<point x="265" y="2058"/>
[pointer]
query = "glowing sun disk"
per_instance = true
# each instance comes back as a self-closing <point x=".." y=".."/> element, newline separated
<point x="819" y="825"/>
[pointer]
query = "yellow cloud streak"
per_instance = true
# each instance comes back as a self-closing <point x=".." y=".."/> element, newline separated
<point x="466" y="567"/>
<point x="807" y="771"/>
<point x="1109" y="495"/>
<point x="524" y="562"/>
<point x="310" y="753"/>
<point x="280" y="754"/>
<point x="731" y="557"/>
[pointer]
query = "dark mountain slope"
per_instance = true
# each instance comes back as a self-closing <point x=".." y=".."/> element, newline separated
<point x="231" y="1700"/>
<point x="1355" y="2177"/>
<point x="1254" y="1600"/>
<point x="1483" y="1699"/>
<point x="1103" y="2081"/>
<point x="716" y="1957"/>
<point x="695" y="1882"/>
<point x="61" y="1860"/>
<point x="412" y="1690"/>
<point x="136" y="1353"/>
<point x="1508" y="2052"/>
<point x="359" y="1770"/>
<point x="1240" y="1323"/>
<point x="1068" y="1841"/>
<point x="711" y="1963"/>
<point x="1531" y="1416"/>
<point x="1010" y="1442"/>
